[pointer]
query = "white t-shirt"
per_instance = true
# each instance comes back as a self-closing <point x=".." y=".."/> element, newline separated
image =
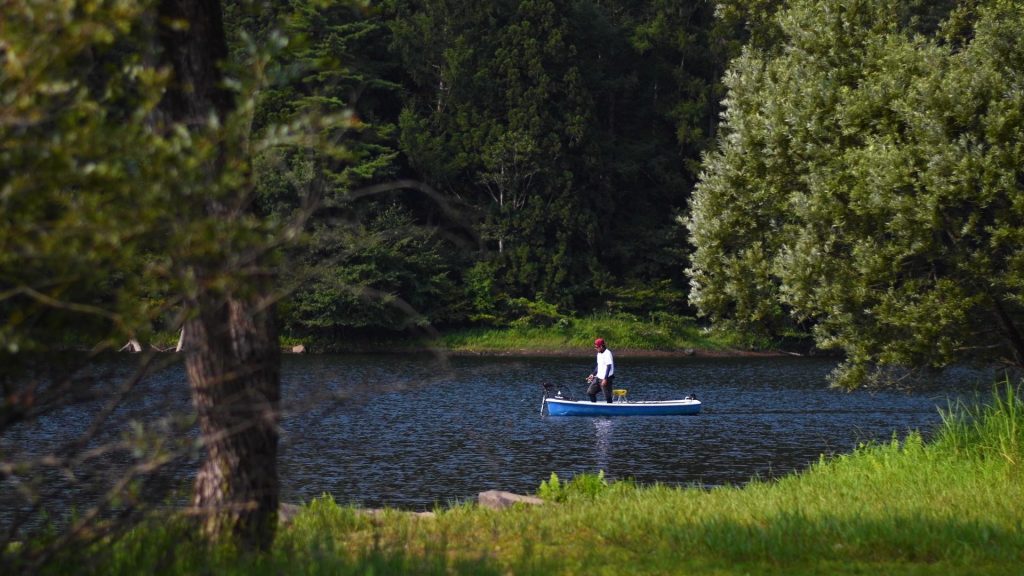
<point x="605" y="364"/>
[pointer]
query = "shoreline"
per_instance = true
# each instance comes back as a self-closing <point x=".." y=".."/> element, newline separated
<point x="571" y="352"/>
<point x="625" y="352"/>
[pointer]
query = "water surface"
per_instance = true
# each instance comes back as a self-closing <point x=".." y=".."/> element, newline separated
<point x="415" y="432"/>
<point x="447" y="435"/>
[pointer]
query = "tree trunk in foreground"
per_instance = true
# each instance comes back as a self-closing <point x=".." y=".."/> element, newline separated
<point x="230" y="341"/>
<point x="233" y="366"/>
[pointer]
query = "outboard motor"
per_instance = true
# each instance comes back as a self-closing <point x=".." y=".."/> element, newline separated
<point x="551" y="392"/>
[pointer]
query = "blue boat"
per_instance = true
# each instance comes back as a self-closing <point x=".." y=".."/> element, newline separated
<point x="559" y="404"/>
<point x="565" y="407"/>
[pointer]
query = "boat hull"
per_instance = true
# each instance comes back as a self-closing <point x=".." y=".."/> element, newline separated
<point x="557" y="407"/>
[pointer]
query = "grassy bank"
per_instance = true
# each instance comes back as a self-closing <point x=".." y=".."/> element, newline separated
<point x="660" y="333"/>
<point x="655" y="333"/>
<point x="664" y="333"/>
<point x="952" y="506"/>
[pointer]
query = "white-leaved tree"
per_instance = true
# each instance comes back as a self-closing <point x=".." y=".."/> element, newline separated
<point x="868" y="182"/>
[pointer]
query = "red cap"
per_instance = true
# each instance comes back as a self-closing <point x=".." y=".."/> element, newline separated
<point x="599" y="343"/>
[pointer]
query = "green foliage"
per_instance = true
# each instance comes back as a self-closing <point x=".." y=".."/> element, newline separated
<point x="125" y="201"/>
<point x="82" y="183"/>
<point x="481" y="289"/>
<point x="388" y="273"/>
<point x="660" y="331"/>
<point x="366" y="262"/>
<point x="865" y="183"/>
<point x="576" y="172"/>
<point x="575" y="169"/>
<point x="103" y="218"/>
<point x="532" y="313"/>
<point x="489" y="122"/>
<point x="652" y="298"/>
<point x="749" y="23"/>
<point x="587" y="486"/>
<point x="551" y="489"/>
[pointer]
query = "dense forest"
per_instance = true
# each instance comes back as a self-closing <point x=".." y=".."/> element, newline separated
<point x="856" y="167"/>
<point x="551" y="146"/>
<point x="849" y="169"/>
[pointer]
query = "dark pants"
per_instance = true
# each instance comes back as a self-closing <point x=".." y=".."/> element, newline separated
<point x="605" y="385"/>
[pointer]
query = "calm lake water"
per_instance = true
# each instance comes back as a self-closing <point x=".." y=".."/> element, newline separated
<point x="412" y="432"/>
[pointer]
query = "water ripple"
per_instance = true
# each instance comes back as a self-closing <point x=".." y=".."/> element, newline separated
<point x="413" y="433"/>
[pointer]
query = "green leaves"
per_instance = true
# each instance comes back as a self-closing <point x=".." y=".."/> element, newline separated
<point x="861" y="182"/>
<point x="582" y="486"/>
<point x="78" y="174"/>
<point x="386" y="274"/>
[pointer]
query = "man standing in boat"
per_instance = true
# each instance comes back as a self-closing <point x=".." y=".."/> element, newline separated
<point x="601" y="378"/>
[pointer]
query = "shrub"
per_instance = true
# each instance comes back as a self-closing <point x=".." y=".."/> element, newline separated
<point x="582" y="485"/>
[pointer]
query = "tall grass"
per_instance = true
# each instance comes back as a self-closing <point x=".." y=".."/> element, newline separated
<point x="951" y="506"/>
<point x="986" y="430"/>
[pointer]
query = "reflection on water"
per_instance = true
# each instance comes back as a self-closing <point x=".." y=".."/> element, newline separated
<point x="414" y="433"/>
<point x="603" y="433"/>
